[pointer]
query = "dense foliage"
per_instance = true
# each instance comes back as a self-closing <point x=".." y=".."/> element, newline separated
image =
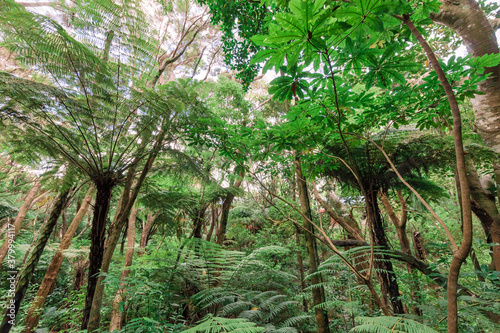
<point x="249" y="166"/>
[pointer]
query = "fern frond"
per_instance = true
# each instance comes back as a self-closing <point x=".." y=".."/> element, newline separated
<point x="387" y="324"/>
<point x="211" y="324"/>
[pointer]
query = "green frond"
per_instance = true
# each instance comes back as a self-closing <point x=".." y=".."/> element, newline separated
<point x="211" y="324"/>
<point x="390" y="325"/>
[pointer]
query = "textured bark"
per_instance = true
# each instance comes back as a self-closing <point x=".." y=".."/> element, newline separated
<point x="312" y="251"/>
<point x="116" y="315"/>
<point x="226" y="207"/>
<point x="97" y="235"/>
<point x="461" y="254"/>
<point x="484" y="207"/>
<point x="471" y="23"/>
<point x="49" y="280"/>
<point x="387" y="277"/>
<point x="26" y="274"/>
<point x="21" y="215"/>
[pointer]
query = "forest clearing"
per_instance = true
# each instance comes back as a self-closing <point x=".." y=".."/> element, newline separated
<point x="250" y="166"/>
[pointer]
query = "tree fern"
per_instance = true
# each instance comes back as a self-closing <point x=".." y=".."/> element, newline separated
<point x="390" y="325"/>
<point x="211" y="324"/>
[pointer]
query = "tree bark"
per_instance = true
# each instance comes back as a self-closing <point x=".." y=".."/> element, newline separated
<point x="127" y="200"/>
<point x="386" y="276"/>
<point x="400" y="225"/>
<point x="215" y="217"/>
<point x="484" y="207"/>
<point x="300" y="262"/>
<point x="461" y="254"/>
<point x="226" y="207"/>
<point x="146" y="231"/>
<point x="116" y="315"/>
<point x="468" y="19"/>
<point x="21" y="215"/>
<point x="49" y="280"/>
<point x="25" y="275"/>
<point x="97" y="236"/>
<point x="305" y="206"/>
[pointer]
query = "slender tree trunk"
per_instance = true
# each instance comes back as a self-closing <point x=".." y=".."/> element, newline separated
<point x="49" y="280"/>
<point x="150" y="220"/>
<point x="16" y="226"/>
<point x="300" y="262"/>
<point x="226" y="207"/>
<point x="97" y="236"/>
<point x="116" y="315"/>
<point x="215" y="217"/>
<point x="25" y="275"/>
<point x="400" y="225"/>
<point x="463" y="251"/>
<point x="198" y="221"/>
<point x="386" y="276"/>
<point x="318" y="292"/>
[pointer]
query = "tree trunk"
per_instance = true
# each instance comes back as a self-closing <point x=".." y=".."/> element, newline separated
<point x="400" y="225"/>
<point x="461" y="254"/>
<point x="116" y="315"/>
<point x="16" y="226"/>
<point x="226" y="207"/>
<point x="215" y="217"/>
<point x="300" y="262"/>
<point x="97" y="235"/>
<point x="484" y="207"/>
<point x="198" y="221"/>
<point x="305" y="207"/>
<point x="49" y="280"/>
<point x="146" y="231"/>
<point x="468" y="19"/>
<point x="387" y="277"/>
<point x="26" y="274"/>
<point x="127" y="200"/>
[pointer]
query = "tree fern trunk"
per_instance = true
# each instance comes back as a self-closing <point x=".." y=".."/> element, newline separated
<point x="24" y="277"/>
<point x="97" y="235"/>
<point x="387" y="277"/>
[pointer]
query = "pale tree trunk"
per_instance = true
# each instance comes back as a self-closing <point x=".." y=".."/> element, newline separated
<point x="462" y="252"/>
<point x="478" y="35"/>
<point x="116" y="315"/>
<point x="484" y="207"/>
<point x="26" y="274"/>
<point x="150" y="220"/>
<point x="305" y="207"/>
<point x="49" y="280"/>
<point x="21" y="215"/>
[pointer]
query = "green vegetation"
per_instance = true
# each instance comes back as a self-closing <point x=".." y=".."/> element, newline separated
<point x="249" y="166"/>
